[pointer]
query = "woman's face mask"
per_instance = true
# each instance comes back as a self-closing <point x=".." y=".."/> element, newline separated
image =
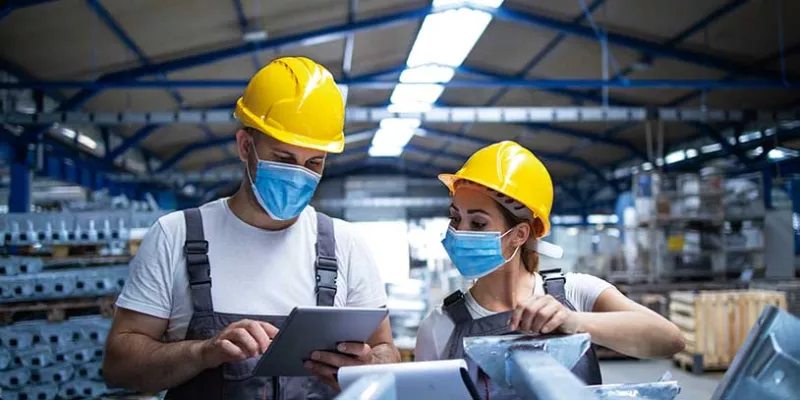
<point x="283" y="190"/>
<point x="475" y="254"/>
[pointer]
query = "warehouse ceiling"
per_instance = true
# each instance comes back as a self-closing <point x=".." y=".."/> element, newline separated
<point x="715" y="40"/>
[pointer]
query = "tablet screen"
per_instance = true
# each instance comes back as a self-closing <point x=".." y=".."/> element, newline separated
<point x="308" y="329"/>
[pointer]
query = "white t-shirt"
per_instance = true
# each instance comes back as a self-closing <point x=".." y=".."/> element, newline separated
<point x="434" y="332"/>
<point x="253" y="271"/>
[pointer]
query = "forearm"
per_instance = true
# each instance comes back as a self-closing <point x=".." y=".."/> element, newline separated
<point x="137" y="362"/>
<point x="633" y="333"/>
<point x="385" y="353"/>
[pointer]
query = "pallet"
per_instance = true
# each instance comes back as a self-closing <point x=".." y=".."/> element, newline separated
<point x="56" y="310"/>
<point x="715" y="324"/>
<point x="406" y="355"/>
<point x="696" y="363"/>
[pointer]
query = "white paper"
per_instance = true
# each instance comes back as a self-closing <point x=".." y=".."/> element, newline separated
<point x="416" y="380"/>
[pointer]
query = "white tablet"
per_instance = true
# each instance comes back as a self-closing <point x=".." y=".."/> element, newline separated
<point x="308" y="329"/>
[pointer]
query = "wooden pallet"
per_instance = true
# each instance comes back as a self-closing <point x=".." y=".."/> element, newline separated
<point x="715" y="324"/>
<point x="696" y="363"/>
<point x="56" y="310"/>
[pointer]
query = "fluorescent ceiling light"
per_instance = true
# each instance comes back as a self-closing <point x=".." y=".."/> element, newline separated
<point x="427" y="74"/>
<point x="375" y="151"/>
<point x="424" y="93"/>
<point x="87" y="141"/>
<point x="485" y="3"/>
<point x="647" y="166"/>
<point x="392" y="137"/>
<point x="674" y="157"/>
<point x="749" y="136"/>
<point x="447" y="37"/>
<point x="711" y="148"/>
<point x="757" y="151"/>
<point x="357" y="137"/>
<point x="691" y="153"/>
<point x="254" y="35"/>
<point x="400" y="123"/>
<point x="776" y="154"/>
<point x="417" y="107"/>
<point x="67" y="132"/>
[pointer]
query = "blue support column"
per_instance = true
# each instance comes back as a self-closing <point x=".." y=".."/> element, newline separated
<point x="767" y="177"/>
<point x="19" y="197"/>
<point x="794" y="192"/>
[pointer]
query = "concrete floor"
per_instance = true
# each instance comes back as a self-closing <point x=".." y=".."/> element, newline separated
<point x="693" y="387"/>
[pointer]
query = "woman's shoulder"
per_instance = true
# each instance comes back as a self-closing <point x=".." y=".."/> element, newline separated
<point x="582" y="290"/>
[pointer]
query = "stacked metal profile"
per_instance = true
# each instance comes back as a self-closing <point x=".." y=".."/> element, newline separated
<point x="38" y="284"/>
<point x="45" y="361"/>
<point x="65" y="228"/>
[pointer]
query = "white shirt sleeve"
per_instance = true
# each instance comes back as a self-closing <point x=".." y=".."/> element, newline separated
<point x="365" y="288"/>
<point x="148" y="289"/>
<point x="582" y="290"/>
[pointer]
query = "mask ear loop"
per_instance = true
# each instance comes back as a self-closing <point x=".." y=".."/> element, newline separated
<point x="247" y="164"/>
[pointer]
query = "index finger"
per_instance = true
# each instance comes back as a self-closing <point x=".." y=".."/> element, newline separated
<point x="269" y="328"/>
<point x="516" y="316"/>
<point x="357" y="349"/>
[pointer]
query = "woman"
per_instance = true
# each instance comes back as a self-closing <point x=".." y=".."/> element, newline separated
<point x="501" y="201"/>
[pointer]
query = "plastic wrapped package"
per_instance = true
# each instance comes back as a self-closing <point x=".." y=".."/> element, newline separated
<point x="36" y="356"/>
<point x="54" y="286"/>
<point x="28" y="265"/>
<point x="15" y="378"/>
<point x="82" y="389"/>
<point x="5" y="358"/>
<point x="16" y="339"/>
<point x="59" y="335"/>
<point x="81" y="353"/>
<point x="93" y="371"/>
<point x="58" y="374"/>
<point x="8" y="267"/>
<point x="38" y="392"/>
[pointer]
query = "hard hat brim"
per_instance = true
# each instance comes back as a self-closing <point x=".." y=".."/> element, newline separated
<point x="250" y="121"/>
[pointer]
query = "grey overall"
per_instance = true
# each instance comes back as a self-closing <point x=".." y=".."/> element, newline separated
<point x="235" y="380"/>
<point x="587" y="368"/>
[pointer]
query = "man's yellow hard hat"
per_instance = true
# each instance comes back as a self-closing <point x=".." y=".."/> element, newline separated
<point x="296" y="101"/>
<point x="510" y="169"/>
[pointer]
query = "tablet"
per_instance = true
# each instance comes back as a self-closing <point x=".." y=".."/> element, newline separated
<point x="308" y="329"/>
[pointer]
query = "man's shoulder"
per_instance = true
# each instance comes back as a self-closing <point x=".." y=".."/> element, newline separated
<point x="175" y="221"/>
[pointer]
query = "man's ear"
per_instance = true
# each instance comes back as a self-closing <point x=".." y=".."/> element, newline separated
<point x="244" y="144"/>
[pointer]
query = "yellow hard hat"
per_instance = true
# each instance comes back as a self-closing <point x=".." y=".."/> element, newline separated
<point x="510" y="169"/>
<point x="296" y="101"/>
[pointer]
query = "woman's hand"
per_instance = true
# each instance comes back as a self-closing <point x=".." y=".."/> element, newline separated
<point x="544" y="314"/>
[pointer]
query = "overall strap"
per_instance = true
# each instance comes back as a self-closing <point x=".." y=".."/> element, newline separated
<point x="455" y="306"/>
<point x="326" y="266"/>
<point x="554" y="282"/>
<point x="195" y="248"/>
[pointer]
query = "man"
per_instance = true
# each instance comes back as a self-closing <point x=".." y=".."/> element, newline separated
<point x="209" y="287"/>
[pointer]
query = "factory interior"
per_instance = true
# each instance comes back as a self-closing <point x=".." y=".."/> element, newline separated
<point x="670" y="130"/>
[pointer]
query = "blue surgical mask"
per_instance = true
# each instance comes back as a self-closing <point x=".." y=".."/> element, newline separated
<point x="283" y="190"/>
<point x="475" y="254"/>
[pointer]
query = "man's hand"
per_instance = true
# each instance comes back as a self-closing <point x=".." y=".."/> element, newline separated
<point x="544" y="314"/>
<point x="326" y="364"/>
<point x="238" y="341"/>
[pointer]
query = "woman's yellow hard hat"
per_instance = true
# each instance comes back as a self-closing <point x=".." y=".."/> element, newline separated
<point x="296" y="101"/>
<point x="510" y="169"/>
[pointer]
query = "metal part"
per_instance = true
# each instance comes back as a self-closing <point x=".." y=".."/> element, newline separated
<point x="61" y="284"/>
<point x="439" y="114"/>
<point x="626" y="391"/>
<point x="535" y="375"/>
<point x="490" y="352"/>
<point x="371" y="387"/>
<point x="767" y="366"/>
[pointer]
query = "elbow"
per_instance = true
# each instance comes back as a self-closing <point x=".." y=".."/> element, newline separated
<point x="673" y="341"/>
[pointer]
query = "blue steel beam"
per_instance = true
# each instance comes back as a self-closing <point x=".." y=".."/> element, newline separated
<point x="589" y="136"/>
<point x="12" y="6"/>
<point x="127" y="41"/>
<point x="652" y="49"/>
<point x="556" y="86"/>
<point x="715" y="15"/>
<point x="131" y="141"/>
<point x="349" y="41"/>
<point x="560" y="157"/>
<point x="237" y="5"/>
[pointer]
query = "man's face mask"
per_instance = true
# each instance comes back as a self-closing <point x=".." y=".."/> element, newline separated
<point x="282" y="190"/>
